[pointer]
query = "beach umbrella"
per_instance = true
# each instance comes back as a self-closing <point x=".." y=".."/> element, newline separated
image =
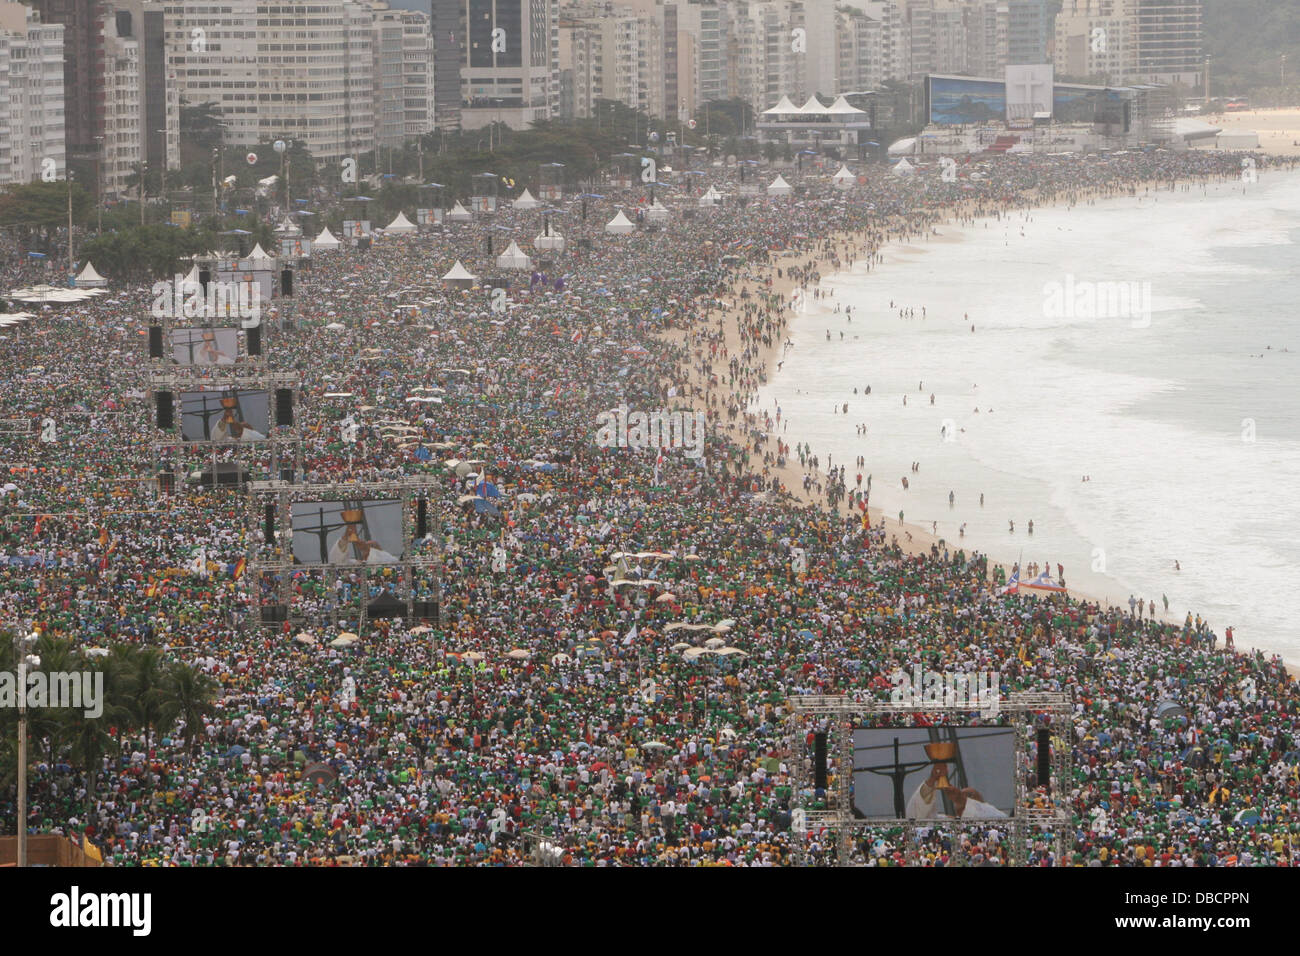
<point x="319" y="774"/>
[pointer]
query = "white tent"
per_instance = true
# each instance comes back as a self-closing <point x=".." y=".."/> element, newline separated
<point x="844" y="179"/>
<point x="459" y="274"/>
<point x="842" y="107"/>
<point x="325" y="240"/>
<point x="706" y="201"/>
<point x="813" y="107"/>
<point x="459" y="214"/>
<point x="782" y="108"/>
<point x="620" y="224"/>
<point x="545" y="243"/>
<point x="289" y="229"/>
<point x="1237" y="139"/>
<point x="657" y="211"/>
<point x="904" y="168"/>
<point x="90" y="279"/>
<point x="779" y="187"/>
<point x="400" y="225"/>
<point x="514" y="258"/>
<point x="526" y="201"/>
<point x="258" y="253"/>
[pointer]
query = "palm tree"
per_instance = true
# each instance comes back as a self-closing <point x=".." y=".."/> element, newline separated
<point x="117" y="690"/>
<point x="188" y="696"/>
<point x="87" y="740"/>
<point x="145" y="682"/>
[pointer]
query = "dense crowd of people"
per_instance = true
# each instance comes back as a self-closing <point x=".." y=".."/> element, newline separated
<point x="551" y="698"/>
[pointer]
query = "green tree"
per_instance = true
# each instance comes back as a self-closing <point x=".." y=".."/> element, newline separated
<point x="188" y="696"/>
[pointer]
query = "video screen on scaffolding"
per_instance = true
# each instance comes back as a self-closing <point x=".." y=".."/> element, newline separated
<point x="226" y="415"/>
<point x="347" y="533"/>
<point x="200" y="346"/>
<point x="934" y="773"/>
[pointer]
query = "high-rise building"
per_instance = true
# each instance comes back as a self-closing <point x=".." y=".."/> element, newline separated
<point x="417" y="74"/>
<point x="1029" y="26"/>
<point x="144" y="22"/>
<point x="387" y="51"/>
<point x="510" y="65"/>
<point x="121" y="111"/>
<point x="1133" y="41"/>
<point x="83" y="66"/>
<point x="447" y="35"/>
<point x="213" y="51"/>
<point x="1096" y="39"/>
<point x="281" y="69"/>
<point x="1170" y="42"/>
<point x="31" y="96"/>
<point x="987" y="37"/>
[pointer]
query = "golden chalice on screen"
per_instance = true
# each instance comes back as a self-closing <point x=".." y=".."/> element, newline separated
<point x="942" y="753"/>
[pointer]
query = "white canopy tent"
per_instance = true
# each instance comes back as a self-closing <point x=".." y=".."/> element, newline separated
<point x="288" y="229"/>
<point x="783" y="108"/>
<point x="258" y="254"/>
<point x="459" y="275"/>
<point x="903" y="168"/>
<point x="657" y="212"/>
<point x="842" y="107"/>
<point x="90" y="279"/>
<point x="620" y="224"/>
<point x="514" y="258"/>
<point x="844" y="179"/>
<point x="325" y="240"/>
<point x="553" y="242"/>
<point x="779" y="187"/>
<point x="526" y="201"/>
<point x="813" y="107"/>
<point x="401" y="225"/>
<point x="459" y="214"/>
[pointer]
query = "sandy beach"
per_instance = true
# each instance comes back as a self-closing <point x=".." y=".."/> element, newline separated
<point x="1279" y="129"/>
<point x="851" y="248"/>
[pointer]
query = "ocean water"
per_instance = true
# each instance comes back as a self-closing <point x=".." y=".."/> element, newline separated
<point x="1183" y="417"/>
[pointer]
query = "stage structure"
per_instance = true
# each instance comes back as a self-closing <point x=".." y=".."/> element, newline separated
<point x="203" y="411"/>
<point x="345" y="531"/>
<point x="1034" y="717"/>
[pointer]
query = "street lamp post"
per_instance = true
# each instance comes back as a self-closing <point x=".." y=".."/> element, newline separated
<point x="99" y="185"/>
<point x="22" y="647"/>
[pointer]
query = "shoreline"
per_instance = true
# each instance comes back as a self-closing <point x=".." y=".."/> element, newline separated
<point x="854" y="248"/>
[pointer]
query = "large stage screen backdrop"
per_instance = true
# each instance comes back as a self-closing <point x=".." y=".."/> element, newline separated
<point x="934" y="773"/>
<point x="232" y="415"/>
<point x="344" y="533"/>
<point x="205" y="346"/>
